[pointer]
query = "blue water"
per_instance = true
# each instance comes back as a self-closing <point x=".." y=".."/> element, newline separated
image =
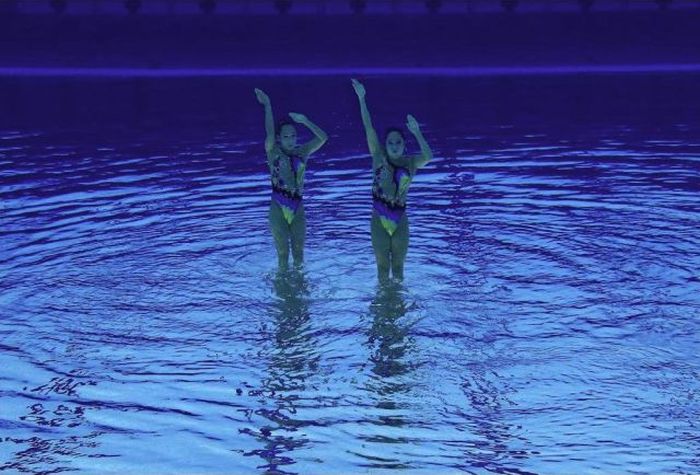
<point x="549" y="321"/>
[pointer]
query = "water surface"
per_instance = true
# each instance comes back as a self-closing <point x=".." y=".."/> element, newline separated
<point x="548" y="322"/>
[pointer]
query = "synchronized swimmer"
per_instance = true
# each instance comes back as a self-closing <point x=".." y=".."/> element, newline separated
<point x="287" y="163"/>
<point x="392" y="174"/>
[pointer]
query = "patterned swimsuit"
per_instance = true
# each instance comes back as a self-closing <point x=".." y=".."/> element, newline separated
<point x="287" y="196"/>
<point x="390" y="211"/>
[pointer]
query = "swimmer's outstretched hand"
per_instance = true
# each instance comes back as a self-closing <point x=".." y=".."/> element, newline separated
<point x="359" y="88"/>
<point x="412" y="124"/>
<point x="262" y="97"/>
<point x="299" y="118"/>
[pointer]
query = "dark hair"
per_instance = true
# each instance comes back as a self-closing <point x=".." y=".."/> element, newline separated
<point x="282" y="123"/>
<point x="398" y="130"/>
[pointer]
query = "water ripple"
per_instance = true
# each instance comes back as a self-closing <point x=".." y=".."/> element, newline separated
<point x="548" y="322"/>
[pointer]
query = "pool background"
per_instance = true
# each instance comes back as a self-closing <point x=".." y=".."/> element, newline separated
<point x="548" y="322"/>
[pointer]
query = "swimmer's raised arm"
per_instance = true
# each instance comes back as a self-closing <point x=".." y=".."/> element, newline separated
<point x="426" y="154"/>
<point x="320" y="136"/>
<point x="375" y="147"/>
<point x="269" y="119"/>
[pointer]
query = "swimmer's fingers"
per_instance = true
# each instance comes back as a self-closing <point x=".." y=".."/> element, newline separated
<point x="299" y="118"/>
<point x="412" y="123"/>
<point x="359" y="88"/>
<point x="262" y="97"/>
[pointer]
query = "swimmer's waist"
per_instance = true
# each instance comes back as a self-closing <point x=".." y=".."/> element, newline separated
<point x="292" y="195"/>
<point x="393" y="205"/>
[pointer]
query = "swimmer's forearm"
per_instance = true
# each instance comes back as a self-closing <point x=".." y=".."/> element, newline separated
<point x="269" y="122"/>
<point x="426" y="152"/>
<point x="316" y="130"/>
<point x="366" y="118"/>
<point x="372" y="140"/>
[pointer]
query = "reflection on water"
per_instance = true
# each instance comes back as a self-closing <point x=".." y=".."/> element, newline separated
<point x="290" y="361"/>
<point x="389" y="342"/>
<point x="390" y="346"/>
<point x="58" y="421"/>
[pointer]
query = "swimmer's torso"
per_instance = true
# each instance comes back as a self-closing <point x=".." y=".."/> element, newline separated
<point x="287" y="170"/>
<point x="391" y="183"/>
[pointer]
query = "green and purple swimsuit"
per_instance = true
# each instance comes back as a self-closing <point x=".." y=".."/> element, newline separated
<point x="390" y="209"/>
<point x="287" y="196"/>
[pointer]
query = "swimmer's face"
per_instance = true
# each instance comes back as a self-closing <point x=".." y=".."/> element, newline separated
<point x="287" y="137"/>
<point x="394" y="145"/>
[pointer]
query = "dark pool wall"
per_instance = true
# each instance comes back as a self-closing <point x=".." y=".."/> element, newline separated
<point x="655" y="100"/>
<point x="521" y="38"/>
